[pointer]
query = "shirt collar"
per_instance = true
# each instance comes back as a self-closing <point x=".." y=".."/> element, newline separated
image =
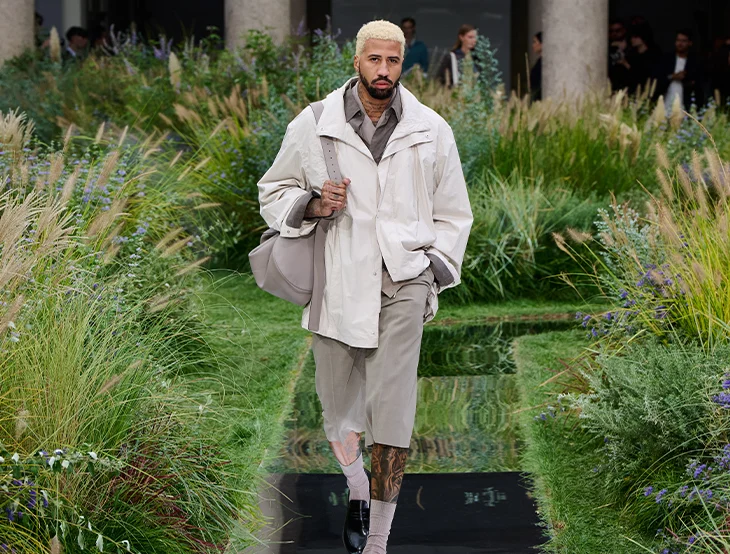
<point x="353" y="104"/>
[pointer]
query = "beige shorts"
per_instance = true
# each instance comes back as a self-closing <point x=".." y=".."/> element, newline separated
<point x="375" y="389"/>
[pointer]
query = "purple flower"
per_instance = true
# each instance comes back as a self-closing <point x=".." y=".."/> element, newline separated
<point x="648" y="490"/>
<point x="660" y="495"/>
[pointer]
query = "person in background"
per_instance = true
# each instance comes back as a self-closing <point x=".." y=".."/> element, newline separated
<point x="77" y="41"/>
<point x="42" y="35"/>
<point x="642" y="58"/>
<point x="536" y="71"/>
<point x="618" y="72"/>
<point x="466" y="42"/>
<point x="99" y="37"/>
<point x="679" y="74"/>
<point x="416" y="50"/>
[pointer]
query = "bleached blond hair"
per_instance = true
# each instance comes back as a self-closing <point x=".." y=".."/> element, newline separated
<point x="381" y="30"/>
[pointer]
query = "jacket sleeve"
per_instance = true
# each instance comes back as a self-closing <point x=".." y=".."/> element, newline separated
<point x="284" y="192"/>
<point x="452" y="216"/>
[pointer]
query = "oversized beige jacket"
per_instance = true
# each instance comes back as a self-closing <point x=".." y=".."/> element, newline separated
<point x="407" y="212"/>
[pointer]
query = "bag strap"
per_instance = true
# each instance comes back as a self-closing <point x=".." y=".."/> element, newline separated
<point x="328" y="147"/>
<point x="333" y="171"/>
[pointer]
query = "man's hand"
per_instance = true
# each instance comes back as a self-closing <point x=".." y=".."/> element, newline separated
<point x="679" y="76"/>
<point x="334" y="198"/>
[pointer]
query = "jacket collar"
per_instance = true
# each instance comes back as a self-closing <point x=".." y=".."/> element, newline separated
<point x="334" y="124"/>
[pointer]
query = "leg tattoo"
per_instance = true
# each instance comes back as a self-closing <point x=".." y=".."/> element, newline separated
<point x="347" y="452"/>
<point x="388" y="464"/>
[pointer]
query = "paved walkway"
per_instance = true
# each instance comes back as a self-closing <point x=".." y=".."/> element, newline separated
<point x="437" y="514"/>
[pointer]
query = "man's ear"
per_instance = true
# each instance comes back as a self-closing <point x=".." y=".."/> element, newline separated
<point x="356" y="63"/>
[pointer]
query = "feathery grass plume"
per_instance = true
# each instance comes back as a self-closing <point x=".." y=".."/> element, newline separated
<point x="175" y="70"/>
<point x="165" y="119"/>
<point x="123" y="136"/>
<point x="213" y="108"/>
<point x="668" y="228"/>
<point x="201" y="164"/>
<point x="15" y="131"/>
<point x="718" y="177"/>
<point x="56" y="169"/>
<point x="685" y="181"/>
<point x="67" y="137"/>
<point x="578" y="237"/>
<point x="104" y="220"/>
<point x="667" y="187"/>
<point x="677" y="115"/>
<point x="99" y="133"/>
<point x="15" y="219"/>
<point x="697" y="169"/>
<point x="661" y="156"/>
<point x="190" y="267"/>
<point x="560" y="242"/>
<point x="722" y="226"/>
<point x="8" y="319"/>
<point x="109" y="385"/>
<point x="55" y="45"/>
<point x="56" y="547"/>
<point x="110" y="163"/>
<point x="169" y="236"/>
<point x="699" y="272"/>
<point x="207" y="205"/>
<point x="21" y="423"/>
<point x="659" y="115"/>
<point x="111" y="253"/>
<point x="176" y="158"/>
<point x="175" y="247"/>
<point x="70" y="185"/>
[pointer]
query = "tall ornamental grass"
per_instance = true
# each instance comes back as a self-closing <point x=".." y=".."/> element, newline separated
<point x="669" y="267"/>
<point x="511" y="251"/>
<point x="102" y="446"/>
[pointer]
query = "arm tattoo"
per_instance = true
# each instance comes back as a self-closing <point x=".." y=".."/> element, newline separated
<point x="388" y="464"/>
<point x="312" y="209"/>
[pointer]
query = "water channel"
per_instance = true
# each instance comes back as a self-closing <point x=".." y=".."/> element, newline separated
<point x="464" y="492"/>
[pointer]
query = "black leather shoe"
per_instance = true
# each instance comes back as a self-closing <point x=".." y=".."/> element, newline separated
<point x="357" y="526"/>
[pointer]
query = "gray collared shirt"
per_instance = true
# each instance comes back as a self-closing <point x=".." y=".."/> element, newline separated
<point x="374" y="136"/>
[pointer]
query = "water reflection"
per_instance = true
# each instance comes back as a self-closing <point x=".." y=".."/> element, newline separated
<point x="466" y="399"/>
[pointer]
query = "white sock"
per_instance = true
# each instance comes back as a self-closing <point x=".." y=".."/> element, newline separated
<point x="381" y="518"/>
<point x="357" y="480"/>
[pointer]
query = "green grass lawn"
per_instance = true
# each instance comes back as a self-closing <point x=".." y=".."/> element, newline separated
<point x="260" y="348"/>
<point x="515" y="309"/>
<point x="560" y="457"/>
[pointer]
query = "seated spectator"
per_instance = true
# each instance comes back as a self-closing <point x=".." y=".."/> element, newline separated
<point x="77" y="41"/>
<point x="416" y="51"/>
<point x="642" y="58"/>
<point x="679" y="74"/>
<point x="449" y="73"/>
<point x="536" y="71"/>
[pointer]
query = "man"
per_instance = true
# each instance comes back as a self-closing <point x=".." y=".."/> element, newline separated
<point x="618" y="70"/>
<point x="416" y="51"/>
<point x="679" y="75"/>
<point x="399" y="223"/>
<point x="77" y="40"/>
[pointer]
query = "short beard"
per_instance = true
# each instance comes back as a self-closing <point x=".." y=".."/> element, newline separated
<point x="376" y="93"/>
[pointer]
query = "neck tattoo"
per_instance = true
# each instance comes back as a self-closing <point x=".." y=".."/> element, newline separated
<point x="373" y="108"/>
